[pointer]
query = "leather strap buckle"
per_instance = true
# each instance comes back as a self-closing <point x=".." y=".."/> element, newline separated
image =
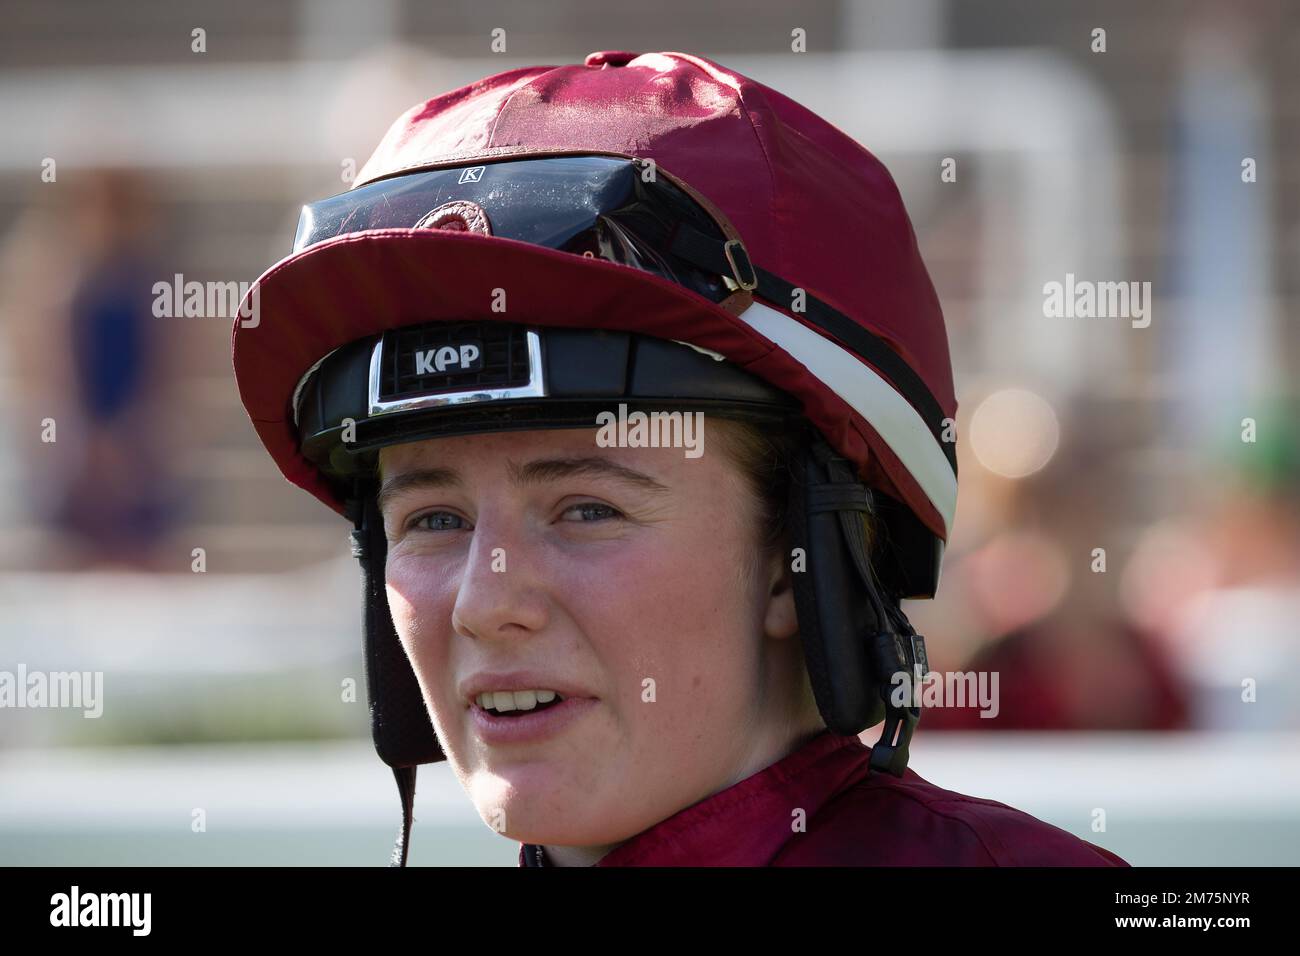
<point x="738" y="259"/>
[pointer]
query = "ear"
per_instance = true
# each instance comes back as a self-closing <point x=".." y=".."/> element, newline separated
<point x="779" y="619"/>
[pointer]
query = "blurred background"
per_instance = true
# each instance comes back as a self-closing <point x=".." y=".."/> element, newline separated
<point x="1127" y="548"/>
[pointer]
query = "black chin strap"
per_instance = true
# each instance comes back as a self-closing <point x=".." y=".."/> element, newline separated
<point x="405" y="777"/>
<point x="893" y="646"/>
<point x="900" y="652"/>
<point x="393" y="728"/>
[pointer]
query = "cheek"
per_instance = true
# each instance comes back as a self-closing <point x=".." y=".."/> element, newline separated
<point x="671" y="610"/>
<point x="421" y="595"/>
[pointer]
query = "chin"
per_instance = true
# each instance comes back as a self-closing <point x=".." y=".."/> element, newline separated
<point x="524" y="792"/>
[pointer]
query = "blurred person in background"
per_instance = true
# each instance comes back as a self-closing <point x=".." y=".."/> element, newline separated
<point x="86" y="351"/>
<point x="1067" y="655"/>
<point x="1220" y="583"/>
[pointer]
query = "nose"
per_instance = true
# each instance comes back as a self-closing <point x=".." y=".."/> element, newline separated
<point x="502" y="589"/>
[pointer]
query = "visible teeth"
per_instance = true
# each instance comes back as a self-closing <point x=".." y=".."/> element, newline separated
<point x="506" y="700"/>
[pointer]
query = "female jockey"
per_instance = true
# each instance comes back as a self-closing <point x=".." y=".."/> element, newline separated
<point x="636" y="391"/>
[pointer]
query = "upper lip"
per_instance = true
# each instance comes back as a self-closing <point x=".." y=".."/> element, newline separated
<point x="482" y="682"/>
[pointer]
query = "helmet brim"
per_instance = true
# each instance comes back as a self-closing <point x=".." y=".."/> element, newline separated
<point x="362" y="284"/>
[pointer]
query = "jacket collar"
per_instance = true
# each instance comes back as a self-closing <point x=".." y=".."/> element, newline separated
<point x="747" y="823"/>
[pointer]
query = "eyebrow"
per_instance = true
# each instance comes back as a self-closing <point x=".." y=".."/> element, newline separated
<point x="536" y="472"/>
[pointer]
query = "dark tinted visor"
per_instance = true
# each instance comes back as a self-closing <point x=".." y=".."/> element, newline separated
<point x="621" y="210"/>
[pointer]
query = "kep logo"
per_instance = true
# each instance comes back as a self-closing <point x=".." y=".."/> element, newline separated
<point x="467" y="357"/>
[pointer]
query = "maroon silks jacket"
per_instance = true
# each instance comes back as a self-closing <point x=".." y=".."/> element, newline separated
<point x="854" y="817"/>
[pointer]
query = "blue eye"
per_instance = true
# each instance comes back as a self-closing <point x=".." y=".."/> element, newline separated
<point x="594" y="511"/>
<point x="438" y="521"/>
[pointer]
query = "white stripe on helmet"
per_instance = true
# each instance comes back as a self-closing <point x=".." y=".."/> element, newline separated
<point x="858" y="384"/>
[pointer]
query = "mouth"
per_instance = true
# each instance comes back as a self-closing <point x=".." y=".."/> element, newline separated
<point x="513" y="704"/>
<point x="502" y="727"/>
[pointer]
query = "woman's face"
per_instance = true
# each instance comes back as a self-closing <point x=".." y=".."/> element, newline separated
<point x="615" y="576"/>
